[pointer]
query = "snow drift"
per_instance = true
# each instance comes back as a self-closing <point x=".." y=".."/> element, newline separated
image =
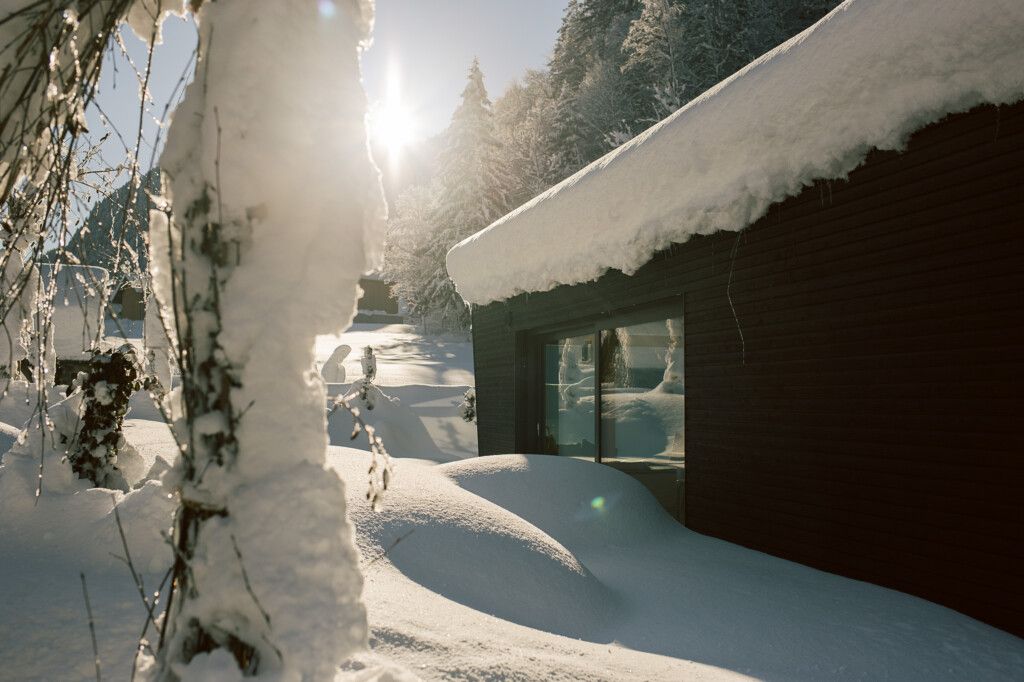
<point x="866" y="76"/>
<point x="506" y="566"/>
<point x="571" y="547"/>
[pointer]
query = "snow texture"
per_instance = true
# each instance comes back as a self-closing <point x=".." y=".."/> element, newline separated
<point x="508" y="567"/>
<point x="403" y="355"/>
<point x="272" y="136"/>
<point x="866" y="76"/>
<point x="536" y="567"/>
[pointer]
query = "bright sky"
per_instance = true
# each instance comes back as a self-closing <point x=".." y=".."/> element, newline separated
<point x="421" y="52"/>
<point x="430" y="44"/>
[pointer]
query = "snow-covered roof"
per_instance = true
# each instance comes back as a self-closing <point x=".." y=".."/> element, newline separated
<point x="865" y="76"/>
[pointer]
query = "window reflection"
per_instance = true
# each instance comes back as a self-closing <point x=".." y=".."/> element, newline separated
<point x="569" y="396"/>
<point x="642" y="392"/>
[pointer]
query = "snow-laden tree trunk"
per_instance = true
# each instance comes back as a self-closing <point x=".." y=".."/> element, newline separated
<point x="673" y="380"/>
<point x="274" y="209"/>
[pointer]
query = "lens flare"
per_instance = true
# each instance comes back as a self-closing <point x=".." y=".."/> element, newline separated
<point x="597" y="503"/>
<point x="327" y="9"/>
<point x="392" y="123"/>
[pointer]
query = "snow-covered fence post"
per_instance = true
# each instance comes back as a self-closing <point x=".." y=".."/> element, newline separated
<point x="273" y="208"/>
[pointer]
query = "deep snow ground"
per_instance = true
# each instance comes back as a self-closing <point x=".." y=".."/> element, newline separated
<point x="496" y="568"/>
<point x="506" y="568"/>
<point x="404" y="356"/>
<point x="422" y="380"/>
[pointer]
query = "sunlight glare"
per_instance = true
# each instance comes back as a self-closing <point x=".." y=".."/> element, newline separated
<point x="392" y="123"/>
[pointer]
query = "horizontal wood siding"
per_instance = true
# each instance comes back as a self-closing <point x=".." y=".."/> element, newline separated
<point x="494" y="360"/>
<point x="863" y="409"/>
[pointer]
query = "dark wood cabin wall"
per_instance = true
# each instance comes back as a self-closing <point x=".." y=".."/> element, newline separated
<point x="494" y="357"/>
<point x="871" y="421"/>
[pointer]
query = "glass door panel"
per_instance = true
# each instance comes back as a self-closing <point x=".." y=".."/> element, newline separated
<point x="568" y="426"/>
<point x="643" y="392"/>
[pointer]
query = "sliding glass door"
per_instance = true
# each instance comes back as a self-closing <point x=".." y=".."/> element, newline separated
<point x="569" y="371"/>
<point x="616" y="391"/>
<point x="642" y="395"/>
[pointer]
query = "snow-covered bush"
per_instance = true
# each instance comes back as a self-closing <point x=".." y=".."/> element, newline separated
<point x="103" y="390"/>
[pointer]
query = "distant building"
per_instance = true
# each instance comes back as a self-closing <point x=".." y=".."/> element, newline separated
<point x="378" y="303"/>
<point x="78" y="315"/>
<point x="795" y="308"/>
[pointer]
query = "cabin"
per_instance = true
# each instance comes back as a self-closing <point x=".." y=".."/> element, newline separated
<point x="794" y="309"/>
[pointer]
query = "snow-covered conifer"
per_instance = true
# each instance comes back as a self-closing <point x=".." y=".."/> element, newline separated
<point x="471" y="191"/>
<point x="472" y="172"/>
<point x="524" y="119"/>
<point x="653" y="47"/>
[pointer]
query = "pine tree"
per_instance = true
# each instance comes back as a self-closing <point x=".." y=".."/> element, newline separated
<point x="598" y="105"/>
<point x="472" y="175"/>
<point x="96" y="243"/>
<point x="653" y="52"/>
<point x="471" y="191"/>
<point x="411" y="227"/>
<point x="525" y="119"/>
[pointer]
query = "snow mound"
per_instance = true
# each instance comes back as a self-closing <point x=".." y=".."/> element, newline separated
<point x="583" y="503"/>
<point x="472" y="551"/>
<point x="678" y="595"/>
<point x="866" y="76"/>
<point x="74" y="519"/>
<point x="8" y="436"/>
<point x="333" y="370"/>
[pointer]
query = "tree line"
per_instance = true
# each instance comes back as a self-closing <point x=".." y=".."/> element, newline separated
<point x="617" y="67"/>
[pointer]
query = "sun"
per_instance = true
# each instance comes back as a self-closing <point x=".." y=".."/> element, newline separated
<point x="392" y="123"/>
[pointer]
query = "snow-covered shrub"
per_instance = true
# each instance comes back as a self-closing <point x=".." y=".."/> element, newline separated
<point x="103" y="391"/>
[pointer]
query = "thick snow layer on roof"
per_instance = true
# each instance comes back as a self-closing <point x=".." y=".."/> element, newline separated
<point x="865" y="76"/>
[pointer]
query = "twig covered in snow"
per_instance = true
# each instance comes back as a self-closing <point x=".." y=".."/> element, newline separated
<point x="380" y="471"/>
<point x="92" y="628"/>
<point x="142" y="644"/>
<point x="255" y="599"/>
<point x="127" y="559"/>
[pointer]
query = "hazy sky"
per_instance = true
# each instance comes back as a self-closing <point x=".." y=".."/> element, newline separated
<point x="428" y="44"/>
